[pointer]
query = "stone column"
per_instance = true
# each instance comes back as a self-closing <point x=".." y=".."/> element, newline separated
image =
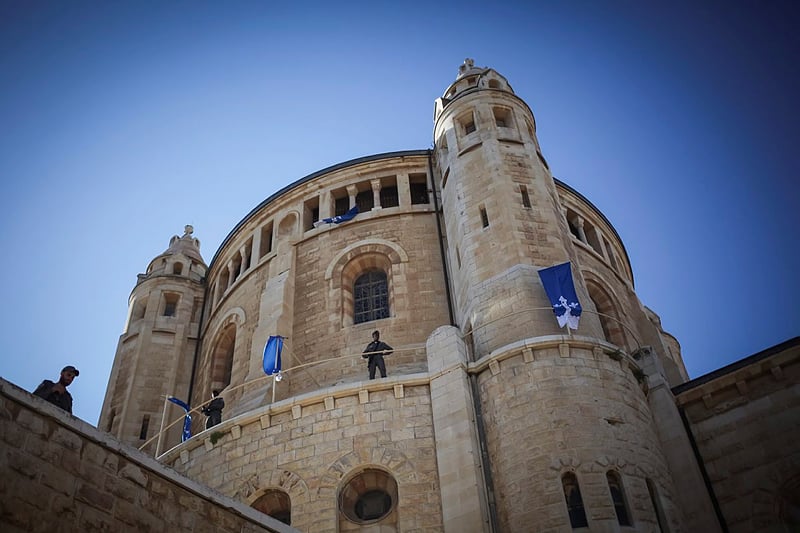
<point x="229" y="266"/>
<point x="256" y="252"/>
<point x="243" y="255"/>
<point x="325" y="205"/>
<point x="581" y="231"/>
<point x="376" y="193"/>
<point x="458" y="457"/>
<point x="690" y="489"/>
<point x="403" y="190"/>
<point x="352" y="191"/>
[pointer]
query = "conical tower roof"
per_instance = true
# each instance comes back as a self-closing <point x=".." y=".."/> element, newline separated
<point x="468" y="68"/>
<point x="186" y="245"/>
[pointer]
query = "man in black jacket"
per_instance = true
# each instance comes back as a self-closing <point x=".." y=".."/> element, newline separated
<point x="375" y="352"/>
<point x="56" y="393"/>
<point x="213" y="410"/>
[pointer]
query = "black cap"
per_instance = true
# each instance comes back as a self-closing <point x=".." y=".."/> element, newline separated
<point x="71" y="369"/>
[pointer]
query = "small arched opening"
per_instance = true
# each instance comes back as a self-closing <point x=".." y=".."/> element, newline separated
<point x="222" y="358"/>
<point x="275" y="503"/>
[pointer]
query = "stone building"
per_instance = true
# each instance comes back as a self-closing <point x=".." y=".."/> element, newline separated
<point x="491" y="417"/>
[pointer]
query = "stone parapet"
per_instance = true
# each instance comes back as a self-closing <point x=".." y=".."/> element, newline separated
<point x="311" y="445"/>
<point x="744" y="421"/>
<point x="62" y="474"/>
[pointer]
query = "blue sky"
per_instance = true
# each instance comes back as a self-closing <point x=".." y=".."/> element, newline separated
<point x="124" y="121"/>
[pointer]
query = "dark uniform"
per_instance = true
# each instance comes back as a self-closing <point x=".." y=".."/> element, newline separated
<point x="61" y="399"/>
<point x="213" y="410"/>
<point x="375" y="360"/>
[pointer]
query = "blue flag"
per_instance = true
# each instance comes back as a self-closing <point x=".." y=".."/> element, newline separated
<point x="187" y="419"/>
<point x="187" y="428"/>
<point x="183" y="404"/>
<point x="338" y="219"/>
<point x="272" y="355"/>
<point x="560" y="289"/>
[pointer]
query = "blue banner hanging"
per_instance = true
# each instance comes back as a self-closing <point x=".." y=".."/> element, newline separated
<point x="560" y="289"/>
<point x="272" y="355"/>
<point x="187" y="418"/>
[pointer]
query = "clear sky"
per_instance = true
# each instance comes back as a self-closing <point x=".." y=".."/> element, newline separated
<point x="120" y="122"/>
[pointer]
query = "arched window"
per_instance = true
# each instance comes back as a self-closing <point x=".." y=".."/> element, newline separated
<point x="144" y="428"/>
<point x="572" y="494"/>
<point x="266" y="240"/>
<point x="502" y="117"/>
<point x="139" y="309"/>
<point x="608" y="315"/>
<point x="171" y="300"/>
<point x="370" y="297"/>
<point x="237" y="268"/>
<point x="467" y="123"/>
<point x="618" y="497"/>
<point x="277" y="504"/>
<point x="369" y="256"/>
<point x="526" y="199"/>
<point x="223" y="284"/>
<point x="593" y="237"/>
<point x="177" y="268"/>
<point x="222" y="359"/>
<point x="574" y="223"/>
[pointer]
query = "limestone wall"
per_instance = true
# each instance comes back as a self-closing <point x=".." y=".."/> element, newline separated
<point x="560" y="405"/>
<point x="309" y="446"/>
<point x="745" y="420"/>
<point x="323" y="326"/>
<point x="61" y="474"/>
<point x="302" y="288"/>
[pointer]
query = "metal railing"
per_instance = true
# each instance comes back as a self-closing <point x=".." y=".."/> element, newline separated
<point x="355" y="356"/>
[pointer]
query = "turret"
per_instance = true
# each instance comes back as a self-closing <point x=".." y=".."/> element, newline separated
<point x="156" y="349"/>
<point x="501" y="210"/>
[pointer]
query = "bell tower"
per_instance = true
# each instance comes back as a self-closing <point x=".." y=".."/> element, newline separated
<point x="156" y="349"/>
<point x="501" y="210"/>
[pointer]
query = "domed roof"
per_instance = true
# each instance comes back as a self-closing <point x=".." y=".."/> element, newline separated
<point x="186" y="245"/>
<point x="470" y="79"/>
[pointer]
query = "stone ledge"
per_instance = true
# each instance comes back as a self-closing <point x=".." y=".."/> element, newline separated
<point x="774" y="367"/>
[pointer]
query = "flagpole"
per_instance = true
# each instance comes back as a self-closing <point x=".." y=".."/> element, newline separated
<point x="161" y="431"/>
<point x="274" y="384"/>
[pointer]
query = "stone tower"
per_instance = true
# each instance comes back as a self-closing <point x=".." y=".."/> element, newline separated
<point x="502" y="214"/>
<point x="556" y="412"/>
<point x="156" y="350"/>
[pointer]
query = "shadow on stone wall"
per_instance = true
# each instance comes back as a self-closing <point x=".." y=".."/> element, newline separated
<point x="61" y="474"/>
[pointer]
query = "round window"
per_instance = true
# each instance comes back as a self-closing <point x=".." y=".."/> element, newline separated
<point x="369" y="496"/>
